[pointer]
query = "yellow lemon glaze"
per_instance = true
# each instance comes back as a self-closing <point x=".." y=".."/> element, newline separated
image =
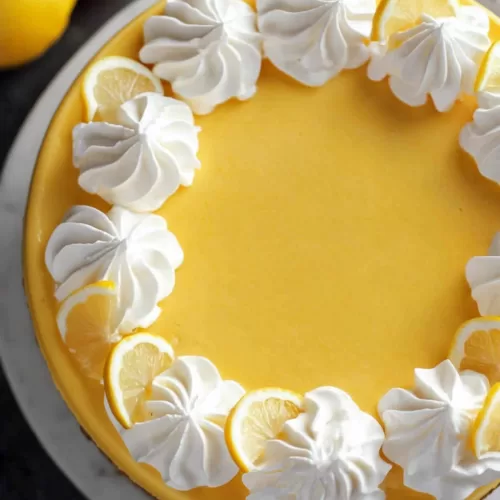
<point x="325" y="240"/>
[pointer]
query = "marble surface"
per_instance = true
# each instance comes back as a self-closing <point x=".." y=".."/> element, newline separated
<point x="25" y="471"/>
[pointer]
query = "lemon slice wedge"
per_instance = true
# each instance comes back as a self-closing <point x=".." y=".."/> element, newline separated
<point x="130" y="370"/>
<point x="111" y="81"/>
<point x="476" y="346"/>
<point x="486" y="429"/>
<point x="256" y="418"/>
<point x="392" y="16"/>
<point x="488" y="76"/>
<point x="87" y="321"/>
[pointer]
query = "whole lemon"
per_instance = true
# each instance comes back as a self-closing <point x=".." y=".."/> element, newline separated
<point x="29" y="27"/>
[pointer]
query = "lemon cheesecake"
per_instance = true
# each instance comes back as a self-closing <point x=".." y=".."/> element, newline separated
<point x="260" y="250"/>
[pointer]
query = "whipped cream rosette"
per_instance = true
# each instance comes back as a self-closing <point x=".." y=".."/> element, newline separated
<point x="209" y="50"/>
<point x="142" y="159"/>
<point x="183" y="437"/>
<point x="313" y="40"/>
<point x="428" y="432"/>
<point x="331" y="450"/>
<point x="483" y="275"/>
<point x="135" y="251"/>
<point x="437" y="58"/>
<point x="481" y="139"/>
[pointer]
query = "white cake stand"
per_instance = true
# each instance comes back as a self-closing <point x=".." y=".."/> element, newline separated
<point x="42" y="406"/>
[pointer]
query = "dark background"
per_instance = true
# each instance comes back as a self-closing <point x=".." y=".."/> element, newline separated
<point x="26" y="472"/>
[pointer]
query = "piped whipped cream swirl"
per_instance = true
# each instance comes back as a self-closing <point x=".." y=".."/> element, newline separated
<point x="209" y="50"/>
<point x="428" y="431"/>
<point x="135" y="251"/>
<point x="437" y="57"/>
<point x="183" y="437"/>
<point x="331" y="450"/>
<point x="481" y="139"/>
<point x="483" y="275"/>
<point x="142" y="159"/>
<point x="313" y="40"/>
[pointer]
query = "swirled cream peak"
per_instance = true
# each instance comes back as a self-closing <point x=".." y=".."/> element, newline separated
<point x="183" y="437"/>
<point x="437" y="57"/>
<point x="331" y="450"/>
<point x="209" y="50"/>
<point x="313" y="40"/>
<point x="481" y="139"/>
<point x="143" y="159"/>
<point x="483" y="275"/>
<point x="135" y="251"/>
<point x="428" y="432"/>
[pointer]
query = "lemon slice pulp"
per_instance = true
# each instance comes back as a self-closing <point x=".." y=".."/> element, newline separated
<point x="476" y="346"/>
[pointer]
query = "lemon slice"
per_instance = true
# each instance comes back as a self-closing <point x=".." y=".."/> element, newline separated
<point x="392" y="16"/>
<point x="486" y="429"/>
<point x="476" y="346"/>
<point x="130" y="370"/>
<point x="88" y="324"/>
<point x="111" y="81"/>
<point x="256" y="418"/>
<point x="488" y="76"/>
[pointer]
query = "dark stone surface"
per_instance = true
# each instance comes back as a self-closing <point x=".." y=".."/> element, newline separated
<point x="26" y="472"/>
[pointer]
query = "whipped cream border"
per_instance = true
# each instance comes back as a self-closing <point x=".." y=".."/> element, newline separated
<point x="319" y="82"/>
